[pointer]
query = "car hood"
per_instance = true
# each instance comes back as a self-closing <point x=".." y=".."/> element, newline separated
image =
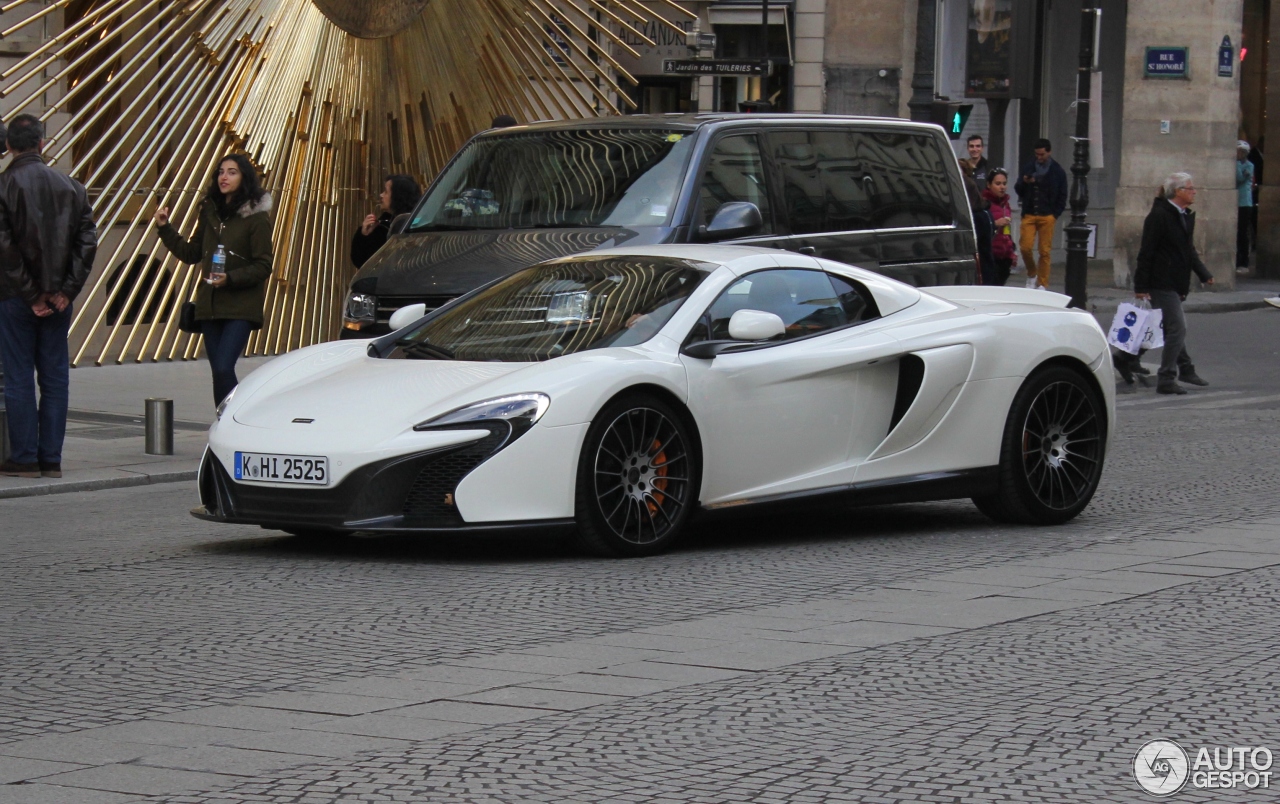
<point x="345" y="390"/>
<point x="453" y="263"/>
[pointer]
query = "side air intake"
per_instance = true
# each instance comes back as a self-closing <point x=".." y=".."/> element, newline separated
<point x="910" y="375"/>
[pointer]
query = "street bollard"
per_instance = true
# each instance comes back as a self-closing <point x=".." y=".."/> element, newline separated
<point x="4" y="435"/>
<point x="159" y="417"/>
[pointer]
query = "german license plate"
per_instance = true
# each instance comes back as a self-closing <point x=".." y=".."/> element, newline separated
<point x="306" y="469"/>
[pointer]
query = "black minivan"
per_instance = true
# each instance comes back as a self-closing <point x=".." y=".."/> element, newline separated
<point x="882" y="194"/>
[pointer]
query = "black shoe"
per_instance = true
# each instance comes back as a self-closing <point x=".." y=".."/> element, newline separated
<point x="1193" y="379"/>
<point x="50" y="469"/>
<point x="1122" y="366"/>
<point x="1170" y="387"/>
<point x="1138" y="368"/>
<point x="11" y="469"/>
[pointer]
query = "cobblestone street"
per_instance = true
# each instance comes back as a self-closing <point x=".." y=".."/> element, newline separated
<point x="911" y="653"/>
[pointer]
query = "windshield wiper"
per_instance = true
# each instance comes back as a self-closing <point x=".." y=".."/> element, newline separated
<point x="420" y="350"/>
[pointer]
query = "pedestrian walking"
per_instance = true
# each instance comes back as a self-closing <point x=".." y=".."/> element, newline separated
<point x="1042" y="192"/>
<point x="47" y="244"/>
<point x="978" y="162"/>
<point x="1166" y="260"/>
<point x="1003" y="251"/>
<point x="400" y="194"/>
<point x="1245" y="184"/>
<point x="232" y="243"/>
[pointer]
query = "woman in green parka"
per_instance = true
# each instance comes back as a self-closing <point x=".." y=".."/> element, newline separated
<point x="235" y="214"/>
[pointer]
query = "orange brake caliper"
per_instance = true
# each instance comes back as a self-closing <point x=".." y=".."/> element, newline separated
<point x="659" y="484"/>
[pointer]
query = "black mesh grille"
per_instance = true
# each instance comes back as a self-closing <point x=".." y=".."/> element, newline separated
<point x="430" y="498"/>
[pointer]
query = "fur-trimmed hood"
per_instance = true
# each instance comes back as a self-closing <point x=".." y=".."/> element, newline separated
<point x="263" y="205"/>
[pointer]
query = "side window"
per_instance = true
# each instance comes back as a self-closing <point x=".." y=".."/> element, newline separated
<point x="856" y="301"/>
<point x="735" y="172"/>
<point x="909" y="180"/>
<point x="826" y="186"/>
<point x="806" y="302"/>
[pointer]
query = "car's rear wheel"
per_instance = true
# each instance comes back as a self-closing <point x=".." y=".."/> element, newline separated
<point x="637" y="478"/>
<point x="1052" y="452"/>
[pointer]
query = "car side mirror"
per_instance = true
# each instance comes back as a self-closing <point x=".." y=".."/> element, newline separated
<point x="755" y="325"/>
<point x="735" y="219"/>
<point x="407" y="315"/>
<point x="398" y="223"/>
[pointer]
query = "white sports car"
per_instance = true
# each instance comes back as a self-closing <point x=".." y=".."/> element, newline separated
<point x="622" y="391"/>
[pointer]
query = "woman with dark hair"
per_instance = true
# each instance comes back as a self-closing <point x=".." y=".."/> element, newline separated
<point x="400" y="194"/>
<point x="232" y="243"/>
<point x="1003" y="249"/>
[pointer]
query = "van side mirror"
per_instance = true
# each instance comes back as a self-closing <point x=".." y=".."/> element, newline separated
<point x="755" y="325"/>
<point x="734" y="219"/>
<point x="398" y="223"/>
<point x="406" y="315"/>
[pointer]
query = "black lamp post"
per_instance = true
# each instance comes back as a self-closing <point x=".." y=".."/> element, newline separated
<point x="1077" y="230"/>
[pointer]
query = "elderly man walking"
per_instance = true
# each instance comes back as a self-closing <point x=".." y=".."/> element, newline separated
<point x="47" y="244"/>
<point x="1165" y="261"/>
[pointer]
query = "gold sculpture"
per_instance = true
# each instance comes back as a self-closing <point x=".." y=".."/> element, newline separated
<point x="140" y="97"/>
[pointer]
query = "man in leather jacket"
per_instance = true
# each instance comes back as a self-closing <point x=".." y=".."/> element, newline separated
<point x="47" y="244"/>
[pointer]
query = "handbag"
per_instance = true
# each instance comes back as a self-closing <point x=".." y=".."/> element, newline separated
<point x="187" y="318"/>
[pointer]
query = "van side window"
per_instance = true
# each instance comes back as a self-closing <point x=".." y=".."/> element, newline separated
<point x="735" y="172"/>
<point x="909" y="179"/>
<point x="826" y="183"/>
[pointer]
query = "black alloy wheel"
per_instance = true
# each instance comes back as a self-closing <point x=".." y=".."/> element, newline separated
<point x="1053" y="449"/>
<point x="637" y="478"/>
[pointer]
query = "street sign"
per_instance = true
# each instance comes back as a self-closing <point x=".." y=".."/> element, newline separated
<point x="1226" y="59"/>
<point x="1166" y="62"/>
<point x="714" y="67"/>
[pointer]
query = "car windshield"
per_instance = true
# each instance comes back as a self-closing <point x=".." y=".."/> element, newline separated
<point x="577" y="177"/>
<point x="558" y="309"/>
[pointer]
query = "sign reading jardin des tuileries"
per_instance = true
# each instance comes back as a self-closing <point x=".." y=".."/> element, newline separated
<point x="1166" y="62"/>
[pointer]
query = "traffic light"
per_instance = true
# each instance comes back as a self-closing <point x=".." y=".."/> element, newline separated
<point x="952" y="115"/>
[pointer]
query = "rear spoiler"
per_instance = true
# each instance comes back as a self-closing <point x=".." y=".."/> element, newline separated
<point x="982" y="295"/>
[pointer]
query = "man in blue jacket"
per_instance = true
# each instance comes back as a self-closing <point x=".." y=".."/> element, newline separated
<point x="1042" y="192"/>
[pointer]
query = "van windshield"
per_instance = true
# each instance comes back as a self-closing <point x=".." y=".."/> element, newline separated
<point x="542" y="179"/>
<point x="557" y="309"/>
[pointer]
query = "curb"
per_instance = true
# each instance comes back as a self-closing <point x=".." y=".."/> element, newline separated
<point x="96" y="485"/>
<point x="1222" y="307"/>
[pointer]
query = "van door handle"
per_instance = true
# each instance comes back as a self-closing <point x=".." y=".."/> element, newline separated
<point x="810" y="250"/>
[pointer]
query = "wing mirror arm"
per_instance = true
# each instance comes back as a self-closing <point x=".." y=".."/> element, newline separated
<point x="707" y="350"/>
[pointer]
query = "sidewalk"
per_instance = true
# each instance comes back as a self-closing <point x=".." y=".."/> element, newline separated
<point x="105" y="436"/>
<point x="1104" y="298"/>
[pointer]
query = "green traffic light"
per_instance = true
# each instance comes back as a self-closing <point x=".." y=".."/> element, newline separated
<point x="956" y="123"/>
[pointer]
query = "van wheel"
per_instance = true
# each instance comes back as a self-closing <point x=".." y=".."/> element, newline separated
<point x="637" y="479"/>
<point x="1052" y="451"/>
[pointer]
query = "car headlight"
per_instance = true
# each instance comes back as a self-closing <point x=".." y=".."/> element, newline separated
<point x="226" y="400"/>
<point x="362" y="308"/>
<point x="519" y="412"/>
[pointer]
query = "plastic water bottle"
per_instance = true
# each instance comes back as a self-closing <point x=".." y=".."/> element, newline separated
<point x="219" y="269"/>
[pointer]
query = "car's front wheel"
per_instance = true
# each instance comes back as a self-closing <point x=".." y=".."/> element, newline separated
<point x="1052" y="452"/>
<point x="637" y="478"/>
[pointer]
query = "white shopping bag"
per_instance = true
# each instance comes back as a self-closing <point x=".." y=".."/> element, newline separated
<point x="1128" y="328"/>
<point x="1153" y="335"/>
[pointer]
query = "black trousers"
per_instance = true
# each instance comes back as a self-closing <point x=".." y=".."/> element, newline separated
<point x="1244" y="235"/>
